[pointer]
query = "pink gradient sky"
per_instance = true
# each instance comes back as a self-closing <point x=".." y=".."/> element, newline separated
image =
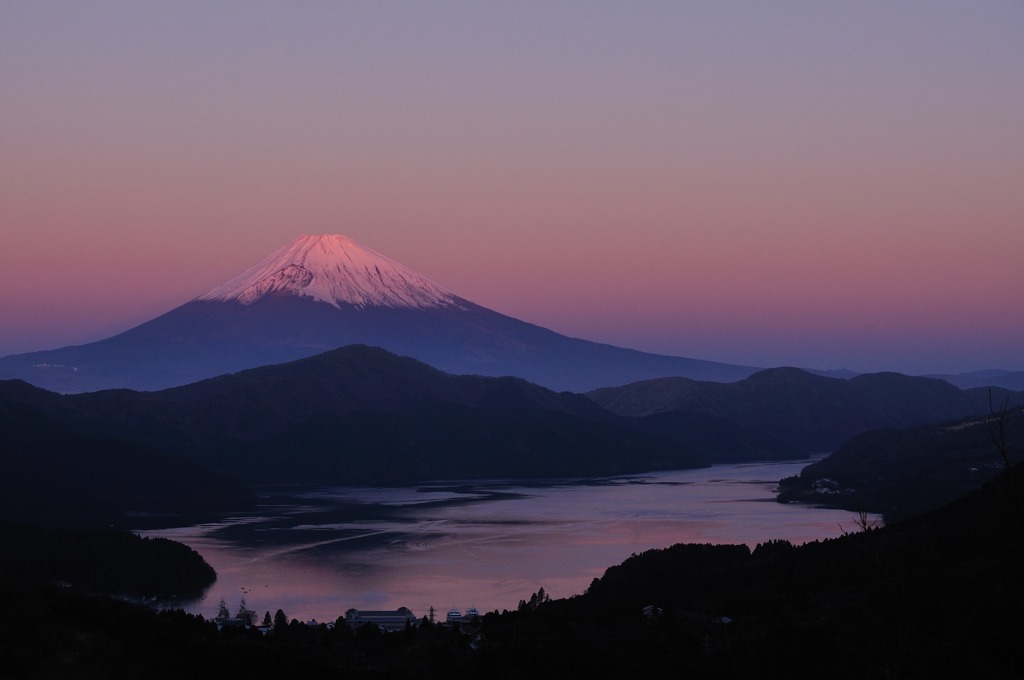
<point x="818" y="184"/>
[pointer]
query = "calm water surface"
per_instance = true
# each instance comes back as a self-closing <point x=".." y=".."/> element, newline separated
<point x="317" y="552"/>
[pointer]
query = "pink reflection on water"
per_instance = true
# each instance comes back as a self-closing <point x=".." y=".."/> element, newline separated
<point x="489" y="554"/>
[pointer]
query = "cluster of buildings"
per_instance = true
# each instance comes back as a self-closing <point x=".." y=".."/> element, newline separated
<point x="396" y="620"/>
<point x="386" y="620"/>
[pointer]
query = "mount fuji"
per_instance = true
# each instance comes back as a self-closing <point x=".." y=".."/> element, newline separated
<point x="326" y="291"/>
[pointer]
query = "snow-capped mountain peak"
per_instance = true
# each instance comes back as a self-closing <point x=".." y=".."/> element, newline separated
<point x="334" y="269"/>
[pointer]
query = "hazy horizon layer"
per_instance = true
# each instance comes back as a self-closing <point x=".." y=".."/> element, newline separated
<point x="826" y="185"/>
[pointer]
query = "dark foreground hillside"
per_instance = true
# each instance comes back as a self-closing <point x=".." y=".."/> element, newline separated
<point x="935" y="597"/>
<point x="938" y="596"/>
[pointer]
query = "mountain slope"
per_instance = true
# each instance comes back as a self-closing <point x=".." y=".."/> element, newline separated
<point x="324" y="292"/>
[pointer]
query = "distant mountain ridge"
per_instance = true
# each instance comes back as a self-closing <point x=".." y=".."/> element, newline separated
<point x="324" y="292"/>
<point x="1010" y="380"/>
<point x="811" y="412"/>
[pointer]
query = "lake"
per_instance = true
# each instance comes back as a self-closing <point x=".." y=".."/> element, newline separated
<point x="487" y="544"/>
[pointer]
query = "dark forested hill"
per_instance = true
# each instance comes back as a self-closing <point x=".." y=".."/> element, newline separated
<point x="67" y="494"/>
<point x="903" y="472"/>
<point x="360" y="415"/>
<point x="811" y="412"/>
<point x="718" y="439"/>
<point x="61" y="472"/>
<point x="93" y="561"/>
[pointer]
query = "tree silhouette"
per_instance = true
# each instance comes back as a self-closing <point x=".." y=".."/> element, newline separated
<point x="280" y="622"/>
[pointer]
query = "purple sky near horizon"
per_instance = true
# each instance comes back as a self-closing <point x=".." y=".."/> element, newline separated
<point x="829" y="185"/>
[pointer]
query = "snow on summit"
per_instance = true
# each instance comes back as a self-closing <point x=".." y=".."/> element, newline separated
<point x="334" y="269"/>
